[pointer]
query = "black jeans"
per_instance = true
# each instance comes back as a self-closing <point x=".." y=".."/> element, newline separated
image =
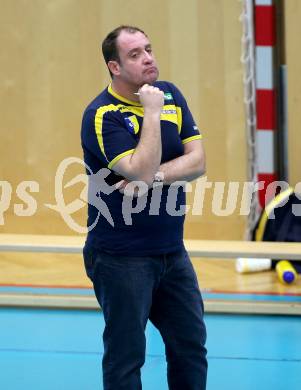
<point x="165" y="290"/>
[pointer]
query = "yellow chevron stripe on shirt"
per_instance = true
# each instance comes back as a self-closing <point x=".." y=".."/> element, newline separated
<point x="121" y="98"/>
<point x="138" y="111"/>
<point x="179" y="114"/>
<point x="169" y="113"/>
<point x="98" y="123"/>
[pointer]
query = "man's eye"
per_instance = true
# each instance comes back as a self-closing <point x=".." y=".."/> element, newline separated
<point x="134" y="55"/>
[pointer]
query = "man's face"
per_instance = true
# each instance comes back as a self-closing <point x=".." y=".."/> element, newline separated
<point x="137" y="64"/>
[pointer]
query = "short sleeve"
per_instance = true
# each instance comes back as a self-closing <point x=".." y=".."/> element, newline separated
<point x="108" y="136"/>
<point x="188" y="130"/>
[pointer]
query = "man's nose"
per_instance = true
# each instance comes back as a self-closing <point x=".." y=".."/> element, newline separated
<point x="148" y="57"/>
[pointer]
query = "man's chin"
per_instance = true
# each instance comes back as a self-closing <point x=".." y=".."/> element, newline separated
<point x="151" y="78"/>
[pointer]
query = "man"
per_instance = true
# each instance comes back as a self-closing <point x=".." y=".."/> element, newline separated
<point x="142" y="130"/>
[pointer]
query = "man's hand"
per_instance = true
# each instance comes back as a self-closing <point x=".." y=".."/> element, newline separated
<point x="152" y="99"/>
<point x="129" y="188"/>
<point x="120" y="186"/>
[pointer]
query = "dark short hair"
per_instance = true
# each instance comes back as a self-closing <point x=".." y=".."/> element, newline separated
<point x="109" y="45"/>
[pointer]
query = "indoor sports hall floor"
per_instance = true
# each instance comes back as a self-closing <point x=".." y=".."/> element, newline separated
<point x="43" y="348"/>
<point x="61" y="350"/>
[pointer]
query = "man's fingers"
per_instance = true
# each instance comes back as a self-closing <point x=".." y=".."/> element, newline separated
<point x="121" y="184"/>
<point x="151" y="97"/>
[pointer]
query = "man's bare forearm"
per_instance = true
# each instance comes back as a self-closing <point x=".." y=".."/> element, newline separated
<point x="145" y="161"/>
<point x="185" y="168"/>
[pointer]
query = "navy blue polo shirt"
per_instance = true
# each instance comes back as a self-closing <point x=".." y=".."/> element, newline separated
<point x="110" y="130"/>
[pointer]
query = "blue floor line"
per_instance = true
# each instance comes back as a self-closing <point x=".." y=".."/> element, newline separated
<point x="206" y="294"/>
<point x="152" y="356"/>
<point x="47" y="290"/>
<point x="251" y="297"/>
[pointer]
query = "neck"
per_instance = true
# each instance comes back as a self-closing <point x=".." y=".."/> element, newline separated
<point x="125" y="90"/>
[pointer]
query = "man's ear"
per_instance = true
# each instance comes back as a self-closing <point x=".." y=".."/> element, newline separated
<point x="114" y="67"/>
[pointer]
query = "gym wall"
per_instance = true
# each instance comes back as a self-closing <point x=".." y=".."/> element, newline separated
<point x="51" y="68"/>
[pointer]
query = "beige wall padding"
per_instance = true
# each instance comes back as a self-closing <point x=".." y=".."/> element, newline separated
<point x="51" y="67"/>
<point x="293" y="61"/>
